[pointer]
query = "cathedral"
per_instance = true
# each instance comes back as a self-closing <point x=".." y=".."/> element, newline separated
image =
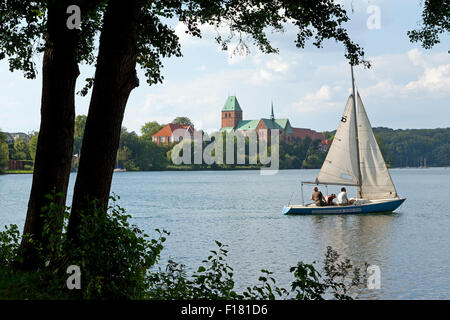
<point x="232" y="119"/>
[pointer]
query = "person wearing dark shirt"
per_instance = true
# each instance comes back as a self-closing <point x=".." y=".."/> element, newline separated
<point x="317" y="197"/>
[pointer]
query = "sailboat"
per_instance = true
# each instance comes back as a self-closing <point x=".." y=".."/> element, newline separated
<point x="354" y="159"/>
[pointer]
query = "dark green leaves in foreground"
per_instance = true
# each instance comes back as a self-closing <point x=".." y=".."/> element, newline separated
<point x="214" y="280"/>
<point x="435" y="22"/>
<point x="23" y="26"/>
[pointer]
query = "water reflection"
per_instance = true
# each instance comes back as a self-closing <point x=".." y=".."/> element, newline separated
<point x="362" y="238"/>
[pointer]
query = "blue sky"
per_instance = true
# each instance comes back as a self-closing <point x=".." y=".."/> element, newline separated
<point x="407" y="87"/>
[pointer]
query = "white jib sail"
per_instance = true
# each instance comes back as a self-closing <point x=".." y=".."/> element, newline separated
<point x="341" y="164"/>
<point x="376" y="182"/>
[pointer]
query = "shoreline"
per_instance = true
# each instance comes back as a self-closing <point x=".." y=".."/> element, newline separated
<point x="191" y="168"/>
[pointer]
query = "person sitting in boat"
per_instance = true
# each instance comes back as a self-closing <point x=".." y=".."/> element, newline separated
<point x="329" y="199"/>
<point x="342" y="198"/>
<point x="318" y="198"/>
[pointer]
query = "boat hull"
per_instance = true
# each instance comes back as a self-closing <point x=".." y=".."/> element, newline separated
<point x="372" y="207"/>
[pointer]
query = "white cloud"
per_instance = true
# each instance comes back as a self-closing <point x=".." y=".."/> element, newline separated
<point x="416" y="57"/>
<point x="270" y="68"/>
<point x="433" y="79"/>
<point x="431" y="76"/>
<point x="314" y="101"/>
<point x="261" y="77"/>
<point x="277" y="65"/>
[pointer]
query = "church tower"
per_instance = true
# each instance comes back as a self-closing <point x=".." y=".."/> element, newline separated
<point x="231" y="113"/>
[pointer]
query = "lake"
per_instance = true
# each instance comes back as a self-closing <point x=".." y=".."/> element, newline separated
<point x="243" y="210"/>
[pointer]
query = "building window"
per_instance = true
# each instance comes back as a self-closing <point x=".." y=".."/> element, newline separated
<point x="229" y="115"/>
<point x="162" y="139"/>
<point x="171" y="139"/>
<point x="155" y="139"/>
<point x="225" y="115"/>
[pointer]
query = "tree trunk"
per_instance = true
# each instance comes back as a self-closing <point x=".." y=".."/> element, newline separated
<point x="55" y="142"/>
<point x="115" y="78"/>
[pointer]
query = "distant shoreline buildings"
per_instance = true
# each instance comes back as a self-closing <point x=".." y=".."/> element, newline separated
<point x="232" y="120"/>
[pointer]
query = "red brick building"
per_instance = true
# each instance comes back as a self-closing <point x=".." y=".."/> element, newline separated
<point x="232" y="120"/>
<point x="302" y="133"/>
<point x="231" y="113"/>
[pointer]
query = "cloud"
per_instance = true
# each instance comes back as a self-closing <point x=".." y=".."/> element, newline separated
<point x="415" y="56"/>
<point x="277" y="65"/>
<point x="431" y="76"/>
<point x="433" y="79"/>
<point x="270" y="69"/>
<point x="314" y="101"/>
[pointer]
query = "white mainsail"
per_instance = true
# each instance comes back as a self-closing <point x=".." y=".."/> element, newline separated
<point x="341" y="164"/>
<point x="376" y="182"/>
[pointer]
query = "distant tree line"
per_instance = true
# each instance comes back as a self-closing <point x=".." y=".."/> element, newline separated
<point x="141" y="153"/>
<point x="415" y="147"/>
<point x="301" y="154"/>
<point x="412" y="147"/>
<point x="400" y="148"/>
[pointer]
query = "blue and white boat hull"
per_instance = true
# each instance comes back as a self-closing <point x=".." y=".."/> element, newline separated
<point x="369" y="206"/>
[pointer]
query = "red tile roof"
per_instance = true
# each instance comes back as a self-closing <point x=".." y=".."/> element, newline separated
<point x="168" y="130"/>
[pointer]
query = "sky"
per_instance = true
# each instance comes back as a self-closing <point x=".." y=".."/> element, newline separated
<point x="407" y="86"/>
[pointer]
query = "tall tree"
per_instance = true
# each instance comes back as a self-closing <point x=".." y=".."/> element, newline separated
<point x="21" y="150"/>
<point x="54" y="147"/>
<point x="150" y="128"/>
<point x="115" y="77"/>
<point x="133" y="32"/>
<point x="183" y="120"/>
<point x="28" y="28"/>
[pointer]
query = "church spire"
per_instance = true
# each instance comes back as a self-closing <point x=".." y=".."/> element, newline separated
<point x="272" y="117"/>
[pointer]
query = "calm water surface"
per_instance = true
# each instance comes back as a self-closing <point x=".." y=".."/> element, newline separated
<point x="243" y="210"/>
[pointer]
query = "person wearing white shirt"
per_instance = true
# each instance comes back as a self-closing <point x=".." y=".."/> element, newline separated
<point x="342" y="198"/>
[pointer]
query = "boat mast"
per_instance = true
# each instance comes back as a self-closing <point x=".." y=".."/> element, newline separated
<point x="356" y="132"/>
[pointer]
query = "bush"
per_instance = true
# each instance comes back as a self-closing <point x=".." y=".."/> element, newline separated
<point x="214" y="280"/>
<point x="113" y="256"/>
